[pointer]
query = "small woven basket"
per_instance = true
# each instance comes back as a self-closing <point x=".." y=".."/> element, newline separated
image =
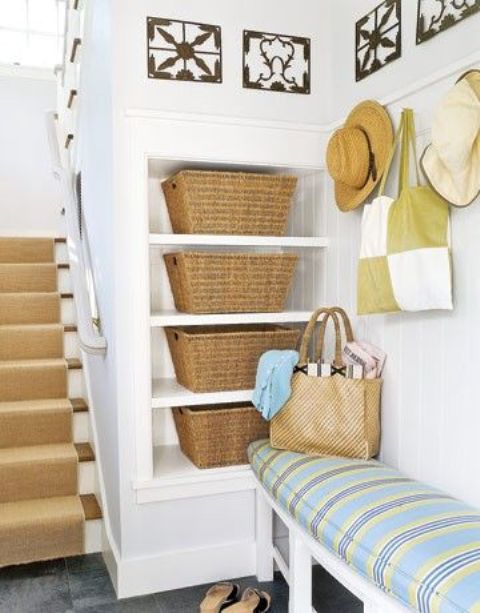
<point x="207" y="282"/>
<point x="206" y="202"/>
<point x="217" y="358"/>
<point x="218" y="435"/>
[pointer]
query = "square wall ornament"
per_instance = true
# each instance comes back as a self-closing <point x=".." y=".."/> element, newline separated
<point x="184" y="51"/>
<point x="435" y="16"/>
<point x="378" y="38"/>
<point x="276" y="62"/>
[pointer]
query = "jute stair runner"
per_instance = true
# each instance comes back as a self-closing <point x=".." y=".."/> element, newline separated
<point x="35" y="422"/>
<point x="30" y="308"/>
<point x="41" y="514"/>
<point x="34" y="341"/>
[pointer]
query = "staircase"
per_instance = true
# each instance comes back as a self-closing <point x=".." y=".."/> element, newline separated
<point x="47" y="470"/>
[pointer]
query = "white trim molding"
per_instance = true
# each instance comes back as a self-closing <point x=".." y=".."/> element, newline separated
<point x="184" y="568"/>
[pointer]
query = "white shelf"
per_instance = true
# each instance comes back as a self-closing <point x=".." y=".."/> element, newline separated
<point x="175" y="476"/>
<point x="314" y="242"/>
<point x="168" y="393"/>
<point x="174" y="318"/>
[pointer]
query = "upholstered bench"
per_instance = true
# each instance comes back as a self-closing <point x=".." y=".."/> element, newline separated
<point x="394" y="542"/>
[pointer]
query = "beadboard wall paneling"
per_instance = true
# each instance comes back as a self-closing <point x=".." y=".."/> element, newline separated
<point x="430" y="415"/>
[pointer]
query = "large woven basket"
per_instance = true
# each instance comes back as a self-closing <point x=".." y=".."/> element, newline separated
<point x="205" y="202"/>
<point x="218" y="435"/>
<point x="216" y="358"/>
<point x="208" y="282"/>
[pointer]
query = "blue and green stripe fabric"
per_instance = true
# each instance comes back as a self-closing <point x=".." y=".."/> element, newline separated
<point x="412" y="541"/>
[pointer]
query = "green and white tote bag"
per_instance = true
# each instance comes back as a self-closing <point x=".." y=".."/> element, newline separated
<point x="405" y="260"/>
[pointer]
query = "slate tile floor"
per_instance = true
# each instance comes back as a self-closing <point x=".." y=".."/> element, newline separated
<point x="82" y="585"/>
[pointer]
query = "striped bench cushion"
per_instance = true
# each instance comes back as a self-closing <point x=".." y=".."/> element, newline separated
<point x="414" y="542"/>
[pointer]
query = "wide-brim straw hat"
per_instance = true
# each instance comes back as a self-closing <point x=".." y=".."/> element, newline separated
<point x="358" y="152"/>
<point x="451" y="163"/>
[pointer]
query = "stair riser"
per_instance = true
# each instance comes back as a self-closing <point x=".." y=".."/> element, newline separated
<point x="68" y="313"/>
<point x="93" y="536"/>
<point x="32" y="428"/>
<point x="64" y="281"/>
<point x="76" y="387"/>
<point x="81" y="427"/>
<point x="86" y="478"/>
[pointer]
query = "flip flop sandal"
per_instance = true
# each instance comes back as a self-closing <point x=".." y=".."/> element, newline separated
<point x="252" y="601"/>
<point x="218" y="597"/>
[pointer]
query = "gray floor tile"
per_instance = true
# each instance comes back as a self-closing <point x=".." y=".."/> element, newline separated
<point x="330" y="596"/>
<point x="91" y="588"/>
<point x="92" y="561"/>
<point x="142" y="604"/>
<point x="32" y="571"/>
<point x="49" y="593"/>
<point x="188" y="600"/>
<point x="82" y="585"/>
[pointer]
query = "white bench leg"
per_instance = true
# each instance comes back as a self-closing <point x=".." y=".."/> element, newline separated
<point x="300" y="565"/>
<point x="264" y="537"/>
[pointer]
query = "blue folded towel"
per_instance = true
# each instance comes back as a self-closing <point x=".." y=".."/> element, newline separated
<point x="273" y="387"/>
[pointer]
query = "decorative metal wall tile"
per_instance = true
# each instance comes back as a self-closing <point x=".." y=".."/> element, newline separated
<point x="435" y="16"/>
<point x="276" y="62"/>
<point x="184" y="50"/>
<point x="378" y="38"/>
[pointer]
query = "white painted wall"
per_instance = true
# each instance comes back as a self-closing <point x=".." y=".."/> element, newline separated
<point x="96" y="154"/>
<point x="30" y="203"/>
<point x="417" y="62"/>
<point x="308" y="18"/>
<point x="430" y="415"/>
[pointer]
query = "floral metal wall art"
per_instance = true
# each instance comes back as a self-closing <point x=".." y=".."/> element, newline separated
<point x="184" y="50"/>
<point x="276" y="62"/>
<point x="378" y="38"/>
<point x="435" y="16"/>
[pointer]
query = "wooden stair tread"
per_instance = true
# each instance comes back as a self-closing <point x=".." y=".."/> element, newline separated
<point x="74" y="364"/>
<point x="91" y="508"/>
<point x="84" y="452"/>
<point x="79" y="405"/>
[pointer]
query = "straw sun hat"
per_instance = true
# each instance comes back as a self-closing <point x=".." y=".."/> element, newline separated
<point x="358" y="152"/>
<point x="451" y="163"/>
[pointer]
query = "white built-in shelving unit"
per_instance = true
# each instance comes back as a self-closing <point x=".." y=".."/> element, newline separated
<point x="174" y="476"/>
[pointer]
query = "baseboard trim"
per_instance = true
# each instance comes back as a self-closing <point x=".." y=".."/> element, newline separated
<point x="183" y="568"/>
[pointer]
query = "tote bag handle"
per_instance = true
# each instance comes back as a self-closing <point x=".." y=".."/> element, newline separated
<point x="406" y="134"/>
<point x="334" y="313"/>
<point x="308" y="334"/>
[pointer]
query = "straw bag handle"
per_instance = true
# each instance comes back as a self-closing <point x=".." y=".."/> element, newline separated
<point x="308" y="333"/>
<point x="334" y="313"/>
<point x="406" y="134"/>
<point x="346" y="322"/>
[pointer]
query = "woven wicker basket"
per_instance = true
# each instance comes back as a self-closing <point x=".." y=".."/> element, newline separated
<point x="216" y="358"/>
<point x="207" y="282"/>
<point x="205" y="202"/>
<point x="218" y="435"/>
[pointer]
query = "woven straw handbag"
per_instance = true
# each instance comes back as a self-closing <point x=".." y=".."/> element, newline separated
<point x="329" y="415"/>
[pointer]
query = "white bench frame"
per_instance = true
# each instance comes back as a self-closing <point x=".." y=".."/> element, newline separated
<point x="298" y="571"/>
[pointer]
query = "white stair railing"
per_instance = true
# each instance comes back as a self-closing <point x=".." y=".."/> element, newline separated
<point x="80" y="269"/>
